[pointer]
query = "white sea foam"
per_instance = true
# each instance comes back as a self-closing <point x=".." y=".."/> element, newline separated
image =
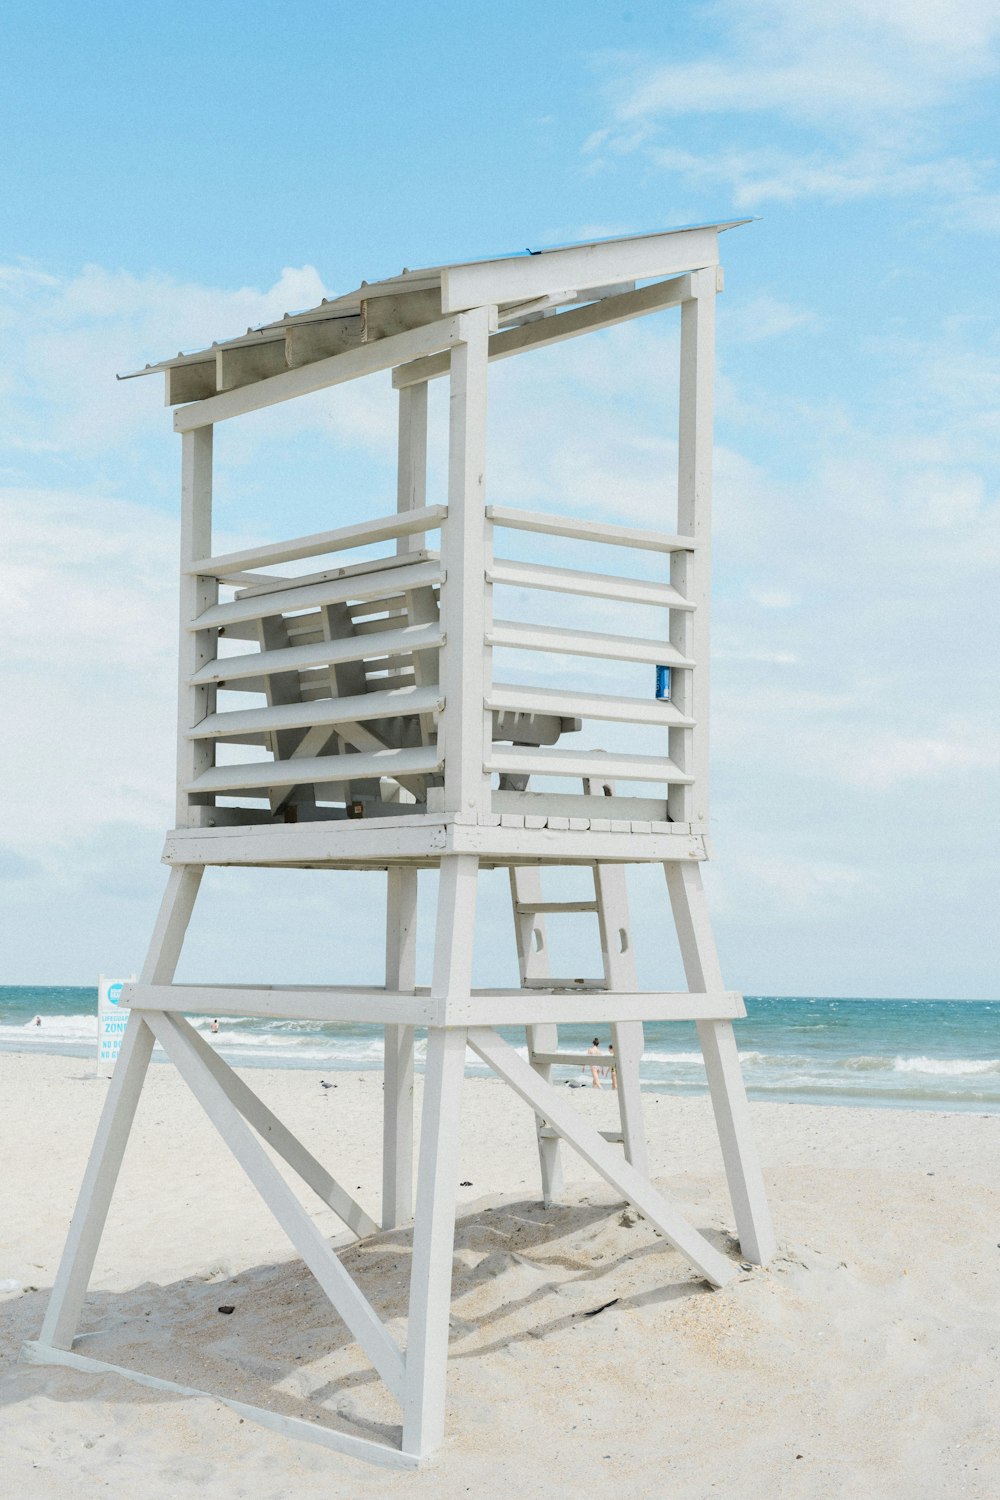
<point x="950" y="1067"/>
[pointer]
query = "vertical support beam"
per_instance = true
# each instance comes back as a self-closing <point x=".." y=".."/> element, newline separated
<point x="533" y="963"/>
<point x="196" y="646"/>
<point x="690" y="572"/>
<point x="722" y="1065"/>
<point x="411" y="463"/>
<point x="62" y="1315"/>
<point x="465" y="725"/>
<point x="626" y="1036"/>
<point x="397" y="1104"/>
<point x="434" y="1222"/>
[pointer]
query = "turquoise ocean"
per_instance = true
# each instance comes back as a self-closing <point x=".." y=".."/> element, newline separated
<point x="909" y="1054"/>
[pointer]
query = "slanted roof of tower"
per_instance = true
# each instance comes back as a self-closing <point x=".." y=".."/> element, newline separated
<point x="524" y="287"/>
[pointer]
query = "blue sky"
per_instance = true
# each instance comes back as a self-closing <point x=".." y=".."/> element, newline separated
<point x="173" y="175"/>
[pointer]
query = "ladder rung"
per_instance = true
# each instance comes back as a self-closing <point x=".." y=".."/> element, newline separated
<point x="548" y="908"/>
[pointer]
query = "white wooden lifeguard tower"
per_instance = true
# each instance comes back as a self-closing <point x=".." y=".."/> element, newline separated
<point x="382" y="737"/>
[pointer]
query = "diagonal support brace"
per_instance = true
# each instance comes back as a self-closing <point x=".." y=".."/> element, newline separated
<point x="174" y="1036"/>
<point x="591" y="1145"/>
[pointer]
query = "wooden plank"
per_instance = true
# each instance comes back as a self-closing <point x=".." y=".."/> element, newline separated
<point x="257" y="664"/>
<point x="607" y="312"/>
<point x="578" y="804"/>
<point x="526" y="759"/>
<point x="191" y="382"/>
<point x="591" y="585"/>
<point x="39" y="1353"/>
<point x="197" y="594"/>
<point x="599" y="1154"/>
<point x="638" y="258"/>
<point x="174" y="1036"/>
<point x="245" y="364"/>
<point x="322" y="339"/>
<point x="331" y="769"/>
<point x="437" y="1177"/>
<point x="397" y="1099"/>
<point x="433" y="1243"/>
<point x="551" y="638"/>
<point x="465" y="726"/>
<point x="387" y="705"/>
<point x="587" y="531"/>
<point x="590" y="1007"/>
<point x="411" y="460"/>
<point x="368" y="359"/>
<point x="513" y="697"/>
<point x="341" y="539"/>
<point x="306" y="1003"/>
<point x="689" y="572"/>
<point x="722" y="1067"/>
<point x="372" y="585"/>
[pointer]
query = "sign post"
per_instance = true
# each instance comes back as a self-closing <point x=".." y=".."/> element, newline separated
<point x="112" y="1018"/>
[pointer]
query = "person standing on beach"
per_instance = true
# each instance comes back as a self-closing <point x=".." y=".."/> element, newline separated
<point x="613" y="1070"/>
<point x="595" y="1051"/>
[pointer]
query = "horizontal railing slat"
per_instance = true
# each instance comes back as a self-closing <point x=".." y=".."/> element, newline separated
<point x="363" y="534"/>
<point x="593" y="585"/>
<point x="377" y="584"/>
<point x="360" y="708"/>
<point x="531" y="700"/>
<point x="520" y="760"/>
<point x="308" y="769"/>
<point x="588" y="531"/>
<point x="584" y="643"/>
<point x="319" y="654"/>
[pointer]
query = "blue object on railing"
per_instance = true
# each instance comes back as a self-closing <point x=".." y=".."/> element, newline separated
<point x="663" y="682"/>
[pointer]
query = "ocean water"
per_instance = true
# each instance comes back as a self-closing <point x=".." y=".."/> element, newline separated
<point x="917" y="1054"/>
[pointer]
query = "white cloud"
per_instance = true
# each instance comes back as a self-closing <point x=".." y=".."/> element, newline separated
<point x="74" y="335"/>
<point x="88" y="611"/>
<point x="868" y="84"/>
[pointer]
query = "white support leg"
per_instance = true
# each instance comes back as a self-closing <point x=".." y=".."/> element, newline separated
<point x="626" y="1036"/>
<point x="434" y="1221"/>
<point x="533" y="962"/>
<point x="397" y="1108"/>
<point x="62" y="1316"/>
<point x="722" y="1065"/>
<point x="171" y="924"/>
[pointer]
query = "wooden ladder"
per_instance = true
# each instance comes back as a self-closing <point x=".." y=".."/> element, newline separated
<point x="610" y="905"/>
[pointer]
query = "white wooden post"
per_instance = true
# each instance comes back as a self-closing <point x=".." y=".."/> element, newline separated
<point x="626" y="1036"/>
<point x="171" y="924"/>
<point x="722" y="1065"/>
<point x="197" y="647"/>
<point x="690" y="572"/>
<point x="411" y="469"/>
<point x="434" y="1221"/>
<point x="465" y="724"/>
<point x="397" y="1123"/>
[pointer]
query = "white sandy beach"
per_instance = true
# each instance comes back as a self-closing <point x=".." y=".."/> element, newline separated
<point x="863" y="1362"/>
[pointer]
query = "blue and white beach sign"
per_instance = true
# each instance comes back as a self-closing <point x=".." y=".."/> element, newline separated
<point x="112" y="1018"/>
